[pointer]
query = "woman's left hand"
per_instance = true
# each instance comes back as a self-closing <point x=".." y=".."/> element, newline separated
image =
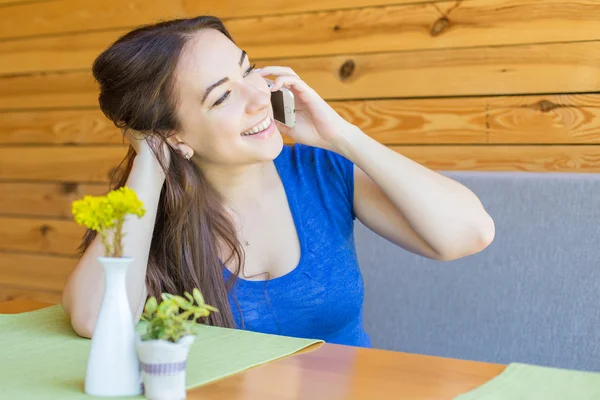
<point x="317" y="124"/>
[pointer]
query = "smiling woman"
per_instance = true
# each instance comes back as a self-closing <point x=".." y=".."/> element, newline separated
<point x="208" y="161"/>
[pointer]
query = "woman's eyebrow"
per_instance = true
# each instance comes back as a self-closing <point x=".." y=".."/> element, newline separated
<point x="222" y="81"/>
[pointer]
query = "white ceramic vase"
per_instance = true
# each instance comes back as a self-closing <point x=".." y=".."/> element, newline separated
<point x="113" y="368"/>
<point x="163" y="366"/>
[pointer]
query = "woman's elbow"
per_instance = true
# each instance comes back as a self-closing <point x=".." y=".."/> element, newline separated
<point x="83" y="328"/>
<point x="479" y="238"/>
<point x="81" y="323"/>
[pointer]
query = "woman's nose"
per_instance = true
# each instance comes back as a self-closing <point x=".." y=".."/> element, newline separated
<point x="258" y="99"/>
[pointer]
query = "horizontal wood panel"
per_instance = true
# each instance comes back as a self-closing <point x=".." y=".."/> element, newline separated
<point x="41" y="199"/>
<point x="558" y="119"/>
<point x="58" y="127"/>
<point x="363" y="30"/>
<point x="506" y="158"/>
<point x="40" y="235"/>
<point x="544" y="68"/>
<point x="75" y="89"/>
<point x="76" y="16"/>
<point x="8" y="293"/>
<point x="493" y="120"/>
<point x="35" y="271"/>
<point x="86" y="164"/>
<point x="18" y="2"/>
<point x="83" y="164"/>
<point x="512" y="119"/>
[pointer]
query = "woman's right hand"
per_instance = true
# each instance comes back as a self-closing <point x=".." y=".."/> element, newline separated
<point x="143" y="145"/>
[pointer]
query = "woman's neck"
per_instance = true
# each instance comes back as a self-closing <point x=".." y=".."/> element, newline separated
<point x="240" y="185"/>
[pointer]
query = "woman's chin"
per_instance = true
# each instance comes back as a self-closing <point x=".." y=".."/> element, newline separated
<point x="265" y="149"/>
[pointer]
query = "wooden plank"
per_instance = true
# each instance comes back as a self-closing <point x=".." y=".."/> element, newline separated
<point x="74" y="89"/>
<point x="42" y="199"/>
<point x="363" y="30"/>
<point x="544" y="68"/>
<point x="86" y="164"/>
<point x="417" y="27"/>
<point x="558" y="119"/>
<point x="8" y="293"/>
<point x="58" y="127"/>
<point x="76" y="16"/>
<point x="535" y="158"/>
<point x="33" y="235"/>
<point x="496" y="120"/>
<point x="35" y="271"/>
<point x="4" y="3"/>
<point x="50" y="163"/>
<point x="512" y="119"/>
<point x="54" y="53"/>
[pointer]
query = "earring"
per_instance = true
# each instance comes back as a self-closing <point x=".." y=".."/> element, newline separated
<point x="188" y="156"/>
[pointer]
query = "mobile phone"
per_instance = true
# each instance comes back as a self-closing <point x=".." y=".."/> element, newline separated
<point x="284" y="109"/>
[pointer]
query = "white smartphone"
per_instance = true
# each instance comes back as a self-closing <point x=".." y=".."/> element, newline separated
<point x="284" y="109"/>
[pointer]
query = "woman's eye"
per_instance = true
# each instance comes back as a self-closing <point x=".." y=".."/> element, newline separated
<point x="249" y="70"/>
<point x="222" y="98"/>
<point x="226" y="94"/>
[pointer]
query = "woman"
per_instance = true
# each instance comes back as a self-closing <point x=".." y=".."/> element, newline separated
<point x="264" y="230"/>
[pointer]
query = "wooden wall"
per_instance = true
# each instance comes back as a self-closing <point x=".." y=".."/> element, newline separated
<point x="472" y="84"/>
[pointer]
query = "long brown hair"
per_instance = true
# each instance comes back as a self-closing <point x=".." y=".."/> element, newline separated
<point x="137" y="92"/>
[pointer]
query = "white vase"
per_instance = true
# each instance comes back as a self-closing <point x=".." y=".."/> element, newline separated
<point x="163" y="366"/>
<point x="113" y="368"/>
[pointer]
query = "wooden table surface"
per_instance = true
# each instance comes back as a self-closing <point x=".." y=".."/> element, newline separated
<point x="332" y="372"/>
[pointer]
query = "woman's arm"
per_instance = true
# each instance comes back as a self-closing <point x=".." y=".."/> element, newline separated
<point x="84" y="289"/>
<point x="412" y="206"/>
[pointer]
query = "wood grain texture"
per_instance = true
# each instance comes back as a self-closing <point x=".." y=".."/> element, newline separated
<point x="58" y="127"/>
<point x="492" y="120"/>
<point x="85" y="164"/>
<point x="544" y="68"/>
<point x="44" y="199"/>
<point x="50" y="236"/>
<point x="364" y="30"/>
<point x="47" y="273"/>
<point x="558" y="119"/>
<point x="513" y="119"/>
<point x="95" y="164"/>
<point x="554" y="158"/>
<point x="24" y="296"/>
<point x="75" y="16"/>
<point x="434" y="25"/>
<point x="74" y="89"/>
<point x="4" y="3"/>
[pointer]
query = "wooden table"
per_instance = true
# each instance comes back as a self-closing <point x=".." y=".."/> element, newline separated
<point x="339" y="372"/>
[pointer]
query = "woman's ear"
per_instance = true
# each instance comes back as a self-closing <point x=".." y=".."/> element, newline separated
<point x="180" y="146"/>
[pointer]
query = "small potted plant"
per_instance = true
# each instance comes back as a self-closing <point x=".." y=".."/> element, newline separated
<point x="163" y="349"/>
<point x="113" y="367"/>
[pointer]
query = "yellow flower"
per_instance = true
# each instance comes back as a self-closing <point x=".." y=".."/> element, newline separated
<point x="102" y="213"/>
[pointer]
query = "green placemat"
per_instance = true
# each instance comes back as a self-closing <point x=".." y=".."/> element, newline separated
<point x="530" y="382"/>
<point x="42" y="358"/>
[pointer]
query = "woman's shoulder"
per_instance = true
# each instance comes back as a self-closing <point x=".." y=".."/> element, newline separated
<point x="313" y="160"/>
<point x="318" y="173"/>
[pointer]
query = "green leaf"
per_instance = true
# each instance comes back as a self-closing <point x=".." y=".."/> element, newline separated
<point x="198" y="297"/>
<point x="151" y="305"/>
<point x="189" y="297"/>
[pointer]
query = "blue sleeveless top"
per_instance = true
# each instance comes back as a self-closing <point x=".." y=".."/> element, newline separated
<point x="322" y="297"/>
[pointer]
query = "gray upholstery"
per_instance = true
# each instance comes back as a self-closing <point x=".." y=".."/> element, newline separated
<point x="532" y="296"/>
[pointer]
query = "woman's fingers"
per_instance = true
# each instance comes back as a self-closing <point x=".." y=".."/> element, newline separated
<point x="276" y="70"/>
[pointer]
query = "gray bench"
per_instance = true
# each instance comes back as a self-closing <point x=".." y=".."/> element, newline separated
<point x="532" y="296"/>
